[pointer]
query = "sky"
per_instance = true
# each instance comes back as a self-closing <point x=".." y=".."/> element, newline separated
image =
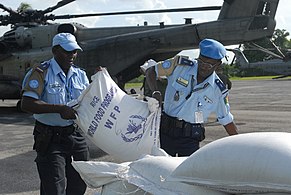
<point x="283" y="16"/>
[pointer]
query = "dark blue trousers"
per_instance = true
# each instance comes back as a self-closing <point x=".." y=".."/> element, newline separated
<point x="178" y="146"/>
<point x="57" y="175"/>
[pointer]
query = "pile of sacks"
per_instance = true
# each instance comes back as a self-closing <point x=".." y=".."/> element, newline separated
<point x="128" y="129"/>
<point x="253" y="163"/>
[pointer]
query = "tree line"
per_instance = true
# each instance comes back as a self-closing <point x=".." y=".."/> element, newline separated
<point x="281" y="41"/>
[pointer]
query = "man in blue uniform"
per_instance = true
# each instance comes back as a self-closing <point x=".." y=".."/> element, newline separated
<point x="193" y="92"/>
<point x="47" y="89"/>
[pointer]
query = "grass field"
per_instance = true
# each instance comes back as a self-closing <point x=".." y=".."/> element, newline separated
<point x="257" y="78"/>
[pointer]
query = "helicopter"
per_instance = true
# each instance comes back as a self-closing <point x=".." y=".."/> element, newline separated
<point x="122" y="49"/>
<point x="281" y="65"/>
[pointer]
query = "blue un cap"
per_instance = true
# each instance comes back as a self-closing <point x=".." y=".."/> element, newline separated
<point x="67" y="41"/>
<point x="213" y="49"/>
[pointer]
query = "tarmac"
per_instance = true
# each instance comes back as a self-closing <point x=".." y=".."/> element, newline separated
<point x="258" y="106"/>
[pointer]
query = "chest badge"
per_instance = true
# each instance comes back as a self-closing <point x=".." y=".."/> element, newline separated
<point x="207" y="99"/>
<point x="55" y="85"/>
<point x="182" y="81"/>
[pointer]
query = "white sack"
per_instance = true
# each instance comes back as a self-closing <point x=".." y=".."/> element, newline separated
<point x="245" y="163"/>
<point x="149" y="173"/>
<point x="96" y="174"/>
<point x="117" y="123"/>
<point x="122" y="187"/>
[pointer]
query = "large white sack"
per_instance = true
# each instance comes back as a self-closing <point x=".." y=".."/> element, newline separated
<point x="245" y="163"/>
<point x="149" y="173"/>
<point x="117" y="123"/>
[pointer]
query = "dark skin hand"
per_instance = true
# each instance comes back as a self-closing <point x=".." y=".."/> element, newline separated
<point x="65" y="59"/>
<point x="31" y="105"/>
<point x="231" y="128"/>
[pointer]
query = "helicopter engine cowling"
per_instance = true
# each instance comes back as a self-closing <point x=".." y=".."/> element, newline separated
<point x="68" y="28"/>
<point x="19" y="37"/>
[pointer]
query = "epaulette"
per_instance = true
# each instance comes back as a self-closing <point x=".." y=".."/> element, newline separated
<point x="42" y="67"/>
<point x="183" y="60"/>
<point x="221" y="86"/>
<point x="75" y="66"/>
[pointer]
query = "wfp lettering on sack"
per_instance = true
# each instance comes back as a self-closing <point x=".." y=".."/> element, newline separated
<point x="116" y="122"/>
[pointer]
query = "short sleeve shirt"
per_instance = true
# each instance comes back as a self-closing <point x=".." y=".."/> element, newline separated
<point x="184" y="97"/>
<point x="49" y="83"/>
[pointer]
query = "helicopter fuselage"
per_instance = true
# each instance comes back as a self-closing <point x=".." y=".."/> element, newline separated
<point x="122" y="50"/>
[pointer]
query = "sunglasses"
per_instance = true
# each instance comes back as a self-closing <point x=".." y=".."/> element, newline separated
<point x="206" y="64"/>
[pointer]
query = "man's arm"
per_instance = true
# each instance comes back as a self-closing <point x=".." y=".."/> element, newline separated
<point x="231" y="128"/>
<point x="151" y="79"/>
<point x="35" y="106"/>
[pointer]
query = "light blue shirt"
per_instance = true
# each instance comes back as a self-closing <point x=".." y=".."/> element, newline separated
<point x="206" y="97"/>
<point x="58" y="89"/>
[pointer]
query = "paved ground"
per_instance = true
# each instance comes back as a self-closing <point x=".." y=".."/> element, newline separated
<point x="256" y="105"/>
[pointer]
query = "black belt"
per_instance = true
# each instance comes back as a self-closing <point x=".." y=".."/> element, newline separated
<point x="58" y="130"/>
<point x="179" y="128"/>
<point x="177" y="123"/>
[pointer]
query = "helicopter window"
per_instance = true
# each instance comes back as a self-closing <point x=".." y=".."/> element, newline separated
<point x="263" y="8"/>
<point x="261" y="19"/>
<point x="67" y="28"/>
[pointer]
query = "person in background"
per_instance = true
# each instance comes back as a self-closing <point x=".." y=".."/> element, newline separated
<point x="161" y="82"/>
<point x="120" y="82"/>
<point x="193" y="92"/>
<point x="224" y="78"/>
<point x="47" y="89"/>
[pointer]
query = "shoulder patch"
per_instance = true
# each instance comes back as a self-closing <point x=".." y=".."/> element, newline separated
<point x="221" y="86"/>
<point x="75" y="66"/>
<point x="166" y="64"/>
<point x="185" y="61"/>
<point x="33" y="84"/>
<point x="42" y="67"/>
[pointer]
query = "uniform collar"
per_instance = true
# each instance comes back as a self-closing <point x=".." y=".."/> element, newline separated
<point x="211" y="79"/>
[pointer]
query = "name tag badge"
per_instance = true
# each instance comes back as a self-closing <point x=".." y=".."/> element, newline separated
<point x="55" y="85"/>
<point x="182" y="81"/>
<point x="199" y="117"/>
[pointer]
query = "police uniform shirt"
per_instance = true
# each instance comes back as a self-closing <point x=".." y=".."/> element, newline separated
<point x="208" y="96"/>
<point x="49" y="83"/>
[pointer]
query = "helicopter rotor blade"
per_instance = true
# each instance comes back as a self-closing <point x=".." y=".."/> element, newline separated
<point x="209" y="8"/>
<point x="59" y="4"/>
<point x="9" y="10"/>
